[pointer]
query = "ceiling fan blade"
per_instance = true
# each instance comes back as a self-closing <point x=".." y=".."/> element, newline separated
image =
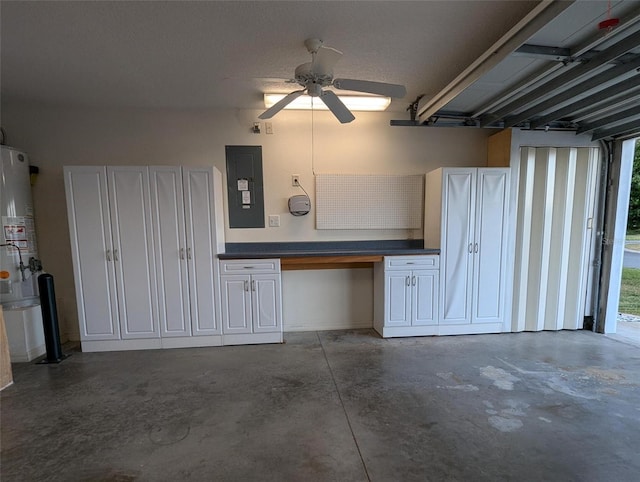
<point x="324" y="60"/>
<point x="379" y="88"/>
<point x="336" y="106"/>
<point x="281" y="104"/>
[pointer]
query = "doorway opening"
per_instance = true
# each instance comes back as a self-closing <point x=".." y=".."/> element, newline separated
<point x="628" y="323"/>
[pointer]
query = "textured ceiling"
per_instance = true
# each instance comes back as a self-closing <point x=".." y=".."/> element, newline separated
<point x="224" y="54"/>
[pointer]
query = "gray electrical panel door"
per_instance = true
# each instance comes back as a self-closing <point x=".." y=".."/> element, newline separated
<point x="244" y="186"/>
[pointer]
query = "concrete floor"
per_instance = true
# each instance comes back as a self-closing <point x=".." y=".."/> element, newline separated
<point x="344" y="406"/>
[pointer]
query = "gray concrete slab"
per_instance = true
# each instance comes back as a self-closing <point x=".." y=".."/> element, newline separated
<point x="333" y="406"/>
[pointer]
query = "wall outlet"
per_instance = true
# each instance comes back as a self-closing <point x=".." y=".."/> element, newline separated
<point x="274" y="220"/>
<point x="295" y="180"/>
<point x="268" y="127"/>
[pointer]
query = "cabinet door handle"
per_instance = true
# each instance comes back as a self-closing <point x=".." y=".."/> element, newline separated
<point x="189" y="253"/>
<point x="181" y="253"/>
<point x="413" y="280"/>
<point x="408" y="281"/>
<point x="253" y="285"/>
<point x="246" y="286"/>
<point x="115" y="255"/>
<point x="475" y="250"/>
<point x="471" y="247"/>
<point x="108" y="255"/>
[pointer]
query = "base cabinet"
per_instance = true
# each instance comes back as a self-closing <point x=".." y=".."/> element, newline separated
<point x="406" y="295"/>
<point x="251" y="301"/>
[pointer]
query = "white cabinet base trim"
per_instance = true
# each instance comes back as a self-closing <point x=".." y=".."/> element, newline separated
<point x="435" y="330"/>
<point x="151" y="344"/>
<point x="252" y="338"/>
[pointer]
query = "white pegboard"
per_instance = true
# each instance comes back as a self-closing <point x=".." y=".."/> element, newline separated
<point x="369" y="201"/>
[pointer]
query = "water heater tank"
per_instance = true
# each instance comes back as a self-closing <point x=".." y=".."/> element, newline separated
<point x="19" y="263"/>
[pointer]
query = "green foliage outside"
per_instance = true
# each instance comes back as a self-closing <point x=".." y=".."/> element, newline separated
<point x="633" y="223"/>
<point x="630" y="288"/>
<point x="630" y="292"/>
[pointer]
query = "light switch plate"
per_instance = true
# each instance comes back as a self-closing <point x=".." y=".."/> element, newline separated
<point x="274" y="220"/>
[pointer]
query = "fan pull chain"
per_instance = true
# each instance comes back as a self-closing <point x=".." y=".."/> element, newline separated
<point x="313" y="169"/>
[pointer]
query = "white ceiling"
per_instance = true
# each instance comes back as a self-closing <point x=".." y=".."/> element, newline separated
<point x="215" y="54"/>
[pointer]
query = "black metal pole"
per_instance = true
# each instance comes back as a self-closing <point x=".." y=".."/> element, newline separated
<point x="50" y="319"/>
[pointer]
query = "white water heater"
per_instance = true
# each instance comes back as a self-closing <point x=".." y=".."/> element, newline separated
<point x="19" y="264"/>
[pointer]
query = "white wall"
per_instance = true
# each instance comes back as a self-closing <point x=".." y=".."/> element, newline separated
<point x="54" y="137"/>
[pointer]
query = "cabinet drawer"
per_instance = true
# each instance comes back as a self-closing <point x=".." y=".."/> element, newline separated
<point x="239" y="266"/>
<point x="427" y="261"/>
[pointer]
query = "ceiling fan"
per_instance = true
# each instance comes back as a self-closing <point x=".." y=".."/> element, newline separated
<point x="315" y="75"/>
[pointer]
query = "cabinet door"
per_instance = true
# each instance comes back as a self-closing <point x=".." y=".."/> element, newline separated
<point x="201" y="249"/>
<point x="424" y="297"/>
<point x="456" y="267"/>
<point x="92" y="250"/>
<point x="129" y="201"/>
<point x="236" y="304"/>
<point x="490" y="245"/>
<point x="170" y="251"/>
<point x="266" y="303"/>
<point x="398" y="298"/>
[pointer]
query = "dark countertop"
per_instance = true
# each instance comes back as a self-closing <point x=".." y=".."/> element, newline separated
<point x="325" y="248"/>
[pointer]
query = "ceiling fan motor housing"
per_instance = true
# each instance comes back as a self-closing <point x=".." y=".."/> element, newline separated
<point x="307" y="78"/>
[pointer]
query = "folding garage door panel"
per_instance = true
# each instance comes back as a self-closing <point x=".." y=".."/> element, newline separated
<point x="556" y="199"/>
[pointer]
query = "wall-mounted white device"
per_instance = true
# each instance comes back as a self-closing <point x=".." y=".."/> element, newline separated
<point x="299" y="205"/>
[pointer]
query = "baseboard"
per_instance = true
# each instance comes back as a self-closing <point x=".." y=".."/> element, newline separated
<point x="336" y="325"/>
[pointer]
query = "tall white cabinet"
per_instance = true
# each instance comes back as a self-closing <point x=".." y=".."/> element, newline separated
<point x="110" y="228"/>
<point x="144" y="242"/>
<point x="183" y="201"/>
<point x="466" y="216"/>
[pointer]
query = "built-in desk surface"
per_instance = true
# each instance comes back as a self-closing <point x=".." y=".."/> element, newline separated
<point x="327" y="254"/>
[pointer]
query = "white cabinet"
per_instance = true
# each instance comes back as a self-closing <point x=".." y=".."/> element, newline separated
<point x="406" y="295"/>
<point x="184" y="223"/>
<point x="144" y="242"/>
<point x="251" y="301"/>
<point x="466" y="212"/>
<point x="110" y="229"/>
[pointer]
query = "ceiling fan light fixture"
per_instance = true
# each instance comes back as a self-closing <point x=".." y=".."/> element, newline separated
<point x="375" y="103"/>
